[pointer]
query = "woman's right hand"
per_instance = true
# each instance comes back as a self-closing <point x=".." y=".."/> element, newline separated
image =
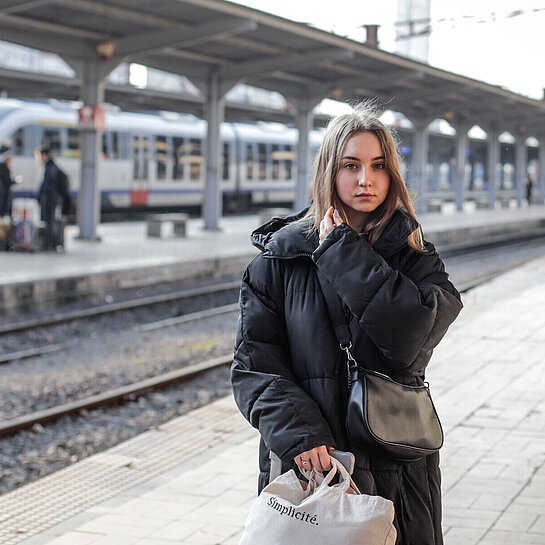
<point x="317" y="458"/>
<point x="329" y="222"/>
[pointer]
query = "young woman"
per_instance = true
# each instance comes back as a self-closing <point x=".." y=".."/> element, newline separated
<point x="289" y="375"/>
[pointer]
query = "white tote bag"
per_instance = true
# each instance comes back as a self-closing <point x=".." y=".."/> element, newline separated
<point x="287" y="514"/>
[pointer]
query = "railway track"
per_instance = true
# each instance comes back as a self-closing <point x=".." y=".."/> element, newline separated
<point x="136" y="389"/>
<point x="451" y="254"/>
<point x="116" y="396"/>
<point x="111" y="308"/>
<point x="150" y="326"/>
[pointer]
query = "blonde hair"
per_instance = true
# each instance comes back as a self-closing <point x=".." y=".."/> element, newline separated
<point x="363" y="118"/>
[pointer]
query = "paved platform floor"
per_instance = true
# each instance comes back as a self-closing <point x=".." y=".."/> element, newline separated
<point x="124" y="245"/>
<point x="487" y="382"/>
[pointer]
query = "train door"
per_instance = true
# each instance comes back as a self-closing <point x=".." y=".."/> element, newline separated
<point x="140" y="170"/>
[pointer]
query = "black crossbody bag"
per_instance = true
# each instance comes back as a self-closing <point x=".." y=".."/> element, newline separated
<point x="401" y="420"/>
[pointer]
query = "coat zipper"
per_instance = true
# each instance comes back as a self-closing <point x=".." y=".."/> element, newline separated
<point x="286" y="257"/>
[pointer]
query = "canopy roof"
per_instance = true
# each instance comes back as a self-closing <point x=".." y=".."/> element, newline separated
<point x="198" y="38"/>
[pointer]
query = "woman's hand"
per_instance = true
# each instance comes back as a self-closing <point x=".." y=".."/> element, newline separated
<point x="317" y="458"/>
<point x="329" y="222"/>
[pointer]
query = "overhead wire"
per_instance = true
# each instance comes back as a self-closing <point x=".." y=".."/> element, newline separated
<point x="478" y="19"/>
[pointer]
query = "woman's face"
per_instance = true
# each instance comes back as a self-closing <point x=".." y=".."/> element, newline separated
<point x="362" y="181"/>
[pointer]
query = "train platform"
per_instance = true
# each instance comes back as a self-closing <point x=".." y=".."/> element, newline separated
<point x="192" y="480"/>
<point x="127" y="258"/>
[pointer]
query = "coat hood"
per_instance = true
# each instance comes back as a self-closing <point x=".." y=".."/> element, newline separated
<point x="294" y="235"/>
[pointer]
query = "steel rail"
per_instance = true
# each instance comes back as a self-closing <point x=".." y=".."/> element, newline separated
<point x="31" y="352"/>
<point x="150" y="326"/>
<point x="117" y="307"/>
<point x="118" y="395"/>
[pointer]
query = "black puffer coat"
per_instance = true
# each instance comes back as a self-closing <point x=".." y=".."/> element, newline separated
<point x="289" y="375"/>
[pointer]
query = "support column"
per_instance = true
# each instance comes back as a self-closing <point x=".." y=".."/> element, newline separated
<point x="215" y="110"/>
<point x="541" y="173"/>
<point x="435" y="173"/>
<point x="419" y="165"/>
<point x="304" y="123"/>
<point x="493" y="158"/>
<point x="88" y="208"/>
<point x="520" y="167"/>
<point x="461" y="145"/>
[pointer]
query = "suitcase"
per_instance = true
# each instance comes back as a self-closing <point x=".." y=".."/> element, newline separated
<point x="25" y="236"/>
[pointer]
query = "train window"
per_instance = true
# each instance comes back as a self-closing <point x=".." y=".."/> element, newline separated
<point x="122" y="145"/>
<point x="195" y="159"/>
<point x="145" y="162"/>
<point x="226" y="158"/>
<point x="52" y="138"/>
<point x="262" y="160"/>
<point x="288" y="163"/>
<point x="161" y="156"/>
<point x="18" y="142"/>
<point x="136" y="157"/>
<point x="275" y="158"/>
<point x="114" y="146"/>
<point x="72" y="144"/>
<point x="178" y="156"/>
<point x="105" y="144"/>
<point x="249" y="162"/>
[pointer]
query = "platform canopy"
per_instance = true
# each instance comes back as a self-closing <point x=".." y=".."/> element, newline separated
<point x="198" y="38"/>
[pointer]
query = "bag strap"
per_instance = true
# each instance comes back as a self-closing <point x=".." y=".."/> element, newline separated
<point x="323" y="481"/>
<point x="338" y="319"/>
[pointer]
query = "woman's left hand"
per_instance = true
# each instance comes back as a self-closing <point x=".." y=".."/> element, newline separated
<point x="329" y="222"/>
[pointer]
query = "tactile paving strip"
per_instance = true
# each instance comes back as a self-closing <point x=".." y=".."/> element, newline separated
<point x="42" y="504"/>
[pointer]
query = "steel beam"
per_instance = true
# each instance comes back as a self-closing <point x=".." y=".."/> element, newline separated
<point x="215" y="110"/>
<point x="15" y="6"/>
<point x="140" y="45"/>
<point x="493" y="158"/>
<point x="460" y="180"/>
<point x="88" y="210"/>
<point x="282" y="62"/>
<point x="419" y="166"/>
<point x="50" y="42"/>
<point x="304" y="124"/>
<point x="521" y="158"/>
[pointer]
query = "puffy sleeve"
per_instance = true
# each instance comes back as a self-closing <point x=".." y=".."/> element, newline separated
<point x="406" y="313"/>
<point x="264" y="385"/>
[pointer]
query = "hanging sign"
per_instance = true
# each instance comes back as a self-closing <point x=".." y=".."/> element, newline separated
<point x="91" y="117"/>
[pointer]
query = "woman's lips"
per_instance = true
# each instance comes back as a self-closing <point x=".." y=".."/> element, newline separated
<point x="365" y="196"/>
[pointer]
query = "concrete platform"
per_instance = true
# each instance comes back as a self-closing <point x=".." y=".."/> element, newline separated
<point x="126" y="257"/>
<point x="193" y="480"/>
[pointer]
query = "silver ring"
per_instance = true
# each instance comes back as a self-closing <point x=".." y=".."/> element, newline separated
<point x="303" y="462"/>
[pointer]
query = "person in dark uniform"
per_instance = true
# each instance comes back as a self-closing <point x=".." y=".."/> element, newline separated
<point x="48" y="197"/>
<point x="529" y="183"/>
<point x="289" y="376"/>
<point x="6" y="182"/>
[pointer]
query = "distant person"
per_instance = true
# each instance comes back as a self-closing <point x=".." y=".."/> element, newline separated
<point x="529" y="188"/>
<point x="6" y="182"/>
<point x="53" y="193"/>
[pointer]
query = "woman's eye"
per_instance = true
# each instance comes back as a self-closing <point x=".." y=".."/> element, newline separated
<point x="380" y="166"/>
<point x="350" y="166"/>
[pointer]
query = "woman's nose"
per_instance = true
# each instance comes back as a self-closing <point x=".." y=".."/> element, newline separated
<point x="364" y="177"/>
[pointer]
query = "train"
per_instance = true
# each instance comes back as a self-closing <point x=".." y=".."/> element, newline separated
<point x="154" y="160"/>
